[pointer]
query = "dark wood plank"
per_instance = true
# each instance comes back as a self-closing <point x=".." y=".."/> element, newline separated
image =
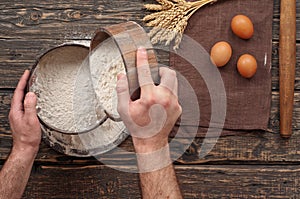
<point x="74" y="20"/>
<point x="19" y="54"/>
<point x="195" y="182"/>
<point x="28" y="29"/>
<point x="250" y="148"/>
<point x="239" y="181"/>
<point x="84" y="182"/>
<point x="261" y="162"/>
<point x="6" y="95"/>
<point x="255" y="147"/>
<point x="64" y="20"/>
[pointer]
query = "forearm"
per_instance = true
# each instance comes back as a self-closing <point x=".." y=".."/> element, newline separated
<point x="15" y="173"/>
<point x="160" y="184"/>
<point x="149" y="119"/>
<point x="157" y="175"/>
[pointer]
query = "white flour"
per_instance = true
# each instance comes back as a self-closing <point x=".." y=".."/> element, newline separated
<point x="66" y="98"/>
<point x="54" y="85"/>
<point x="105" y="64"/>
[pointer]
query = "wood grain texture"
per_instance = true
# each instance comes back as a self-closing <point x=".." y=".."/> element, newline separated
<point x="64" y="19"/>
<point x="6" y="95"/>
<point x="66" y="22"/>
<point x="252" y="165"/>
<point x="195" y="181"/>
<point x="75" y="20"/>
<point x="254" y="147"/>
<point x="287" y="64"/>
<point x="19" y="54"/>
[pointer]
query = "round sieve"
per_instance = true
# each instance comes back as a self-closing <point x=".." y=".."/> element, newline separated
<point x="52" y="80"/>
<point x="125" y="38"/>
<point x="75" y="118"/>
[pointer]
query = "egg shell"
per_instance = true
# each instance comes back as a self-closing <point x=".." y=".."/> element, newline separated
<point x="247" y="65"/>
<point x="242" y="26"/>
<point x="221" y="53"/>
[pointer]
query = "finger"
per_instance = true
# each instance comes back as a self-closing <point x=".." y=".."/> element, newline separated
<point x="17" y="101"/>
<point x="30" y="104"/>
<point x="168" y="79"/>
<point x="143" y="70"/>
<point x="123" y="94"/>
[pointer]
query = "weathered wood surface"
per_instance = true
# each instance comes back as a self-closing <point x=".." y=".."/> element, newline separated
<point x="195" y="181"/>
<point x="75" y="20"/>
<point x="27" y="29"/>
<point x="254" y="165"/>
<point x="251" y="147"/>
<point x="18" y="55"/>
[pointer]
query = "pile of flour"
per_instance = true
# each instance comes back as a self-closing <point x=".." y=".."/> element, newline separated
<point x="55" y="75"/>
<point x="105" y="64"/>
<point x="69" y="97"/>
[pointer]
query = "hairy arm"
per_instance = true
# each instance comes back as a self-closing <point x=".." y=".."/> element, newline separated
<point x="15" y="173"/>
<point x="160" y="184"/>
<point x="157" y="175"/>
<point x="149" y="121"/>
<point x="26" y="135"/>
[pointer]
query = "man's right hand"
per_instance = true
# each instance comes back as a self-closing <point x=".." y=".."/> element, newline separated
<point x="150" y="118"/>
<point x="149" y="121"/>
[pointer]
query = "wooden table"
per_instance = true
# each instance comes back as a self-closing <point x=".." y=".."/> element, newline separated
<point x="255" y="165"/>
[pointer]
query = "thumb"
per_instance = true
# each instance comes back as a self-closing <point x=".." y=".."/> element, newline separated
<point x="123" y="94"/>
<point x="30" y="104"/>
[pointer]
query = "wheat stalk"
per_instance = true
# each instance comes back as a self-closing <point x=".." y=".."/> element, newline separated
<point x="170" y="19"/>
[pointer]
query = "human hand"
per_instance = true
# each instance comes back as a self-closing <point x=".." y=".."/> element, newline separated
<point x="25" y="126"/>
<point x="150" y="118"/>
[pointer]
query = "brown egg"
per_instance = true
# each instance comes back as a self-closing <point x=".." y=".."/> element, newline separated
<point x="221" y="53"/>
<point x="242" y="26"/>
<point x="247" y="65"/>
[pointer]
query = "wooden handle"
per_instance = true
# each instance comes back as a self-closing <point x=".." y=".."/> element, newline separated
<point x="287" y="62"/>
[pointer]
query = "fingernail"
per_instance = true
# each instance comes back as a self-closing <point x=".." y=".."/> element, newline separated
<point x="30" y="94"/>
<point x="142" y="50"/>
<point x="26" y="71"/>
<point x="119" y="76"/>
